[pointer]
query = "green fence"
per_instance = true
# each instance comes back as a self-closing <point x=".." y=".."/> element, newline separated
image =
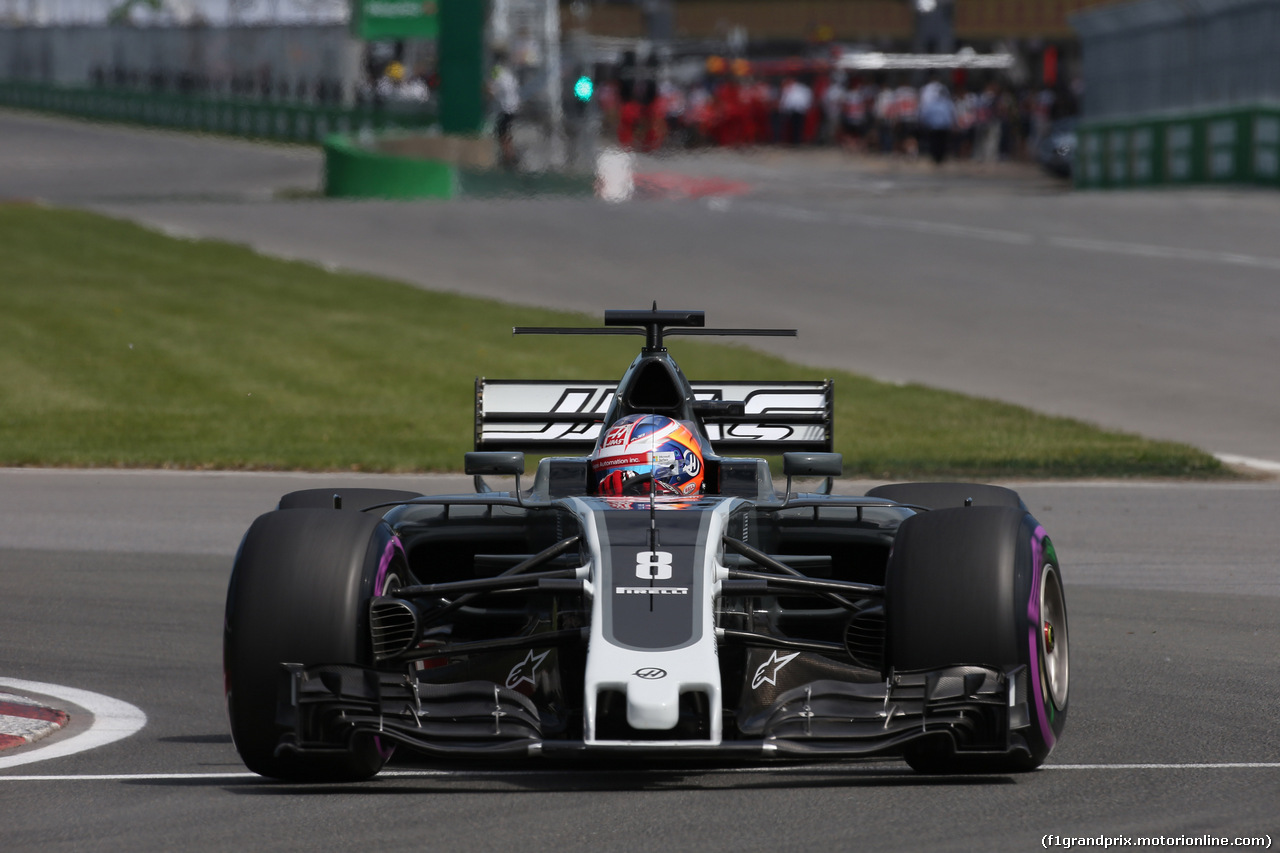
<point x="1236" y="146"/>
<point x="282" y="121"/>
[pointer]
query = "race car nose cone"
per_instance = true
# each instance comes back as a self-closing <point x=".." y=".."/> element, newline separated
<point x="653" y="704"/>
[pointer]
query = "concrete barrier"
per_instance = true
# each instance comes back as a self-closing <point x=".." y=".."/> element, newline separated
<point x="281" y="121"/>
<point x="355" y="171"/>
<point x="405" y="166"/>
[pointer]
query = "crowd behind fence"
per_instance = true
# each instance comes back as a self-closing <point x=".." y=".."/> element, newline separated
<point x="1180" y="93"/>
<point x="984" y="119"/>
<point x="299" y="82"/>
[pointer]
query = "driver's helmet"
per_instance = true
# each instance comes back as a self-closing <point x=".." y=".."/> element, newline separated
<point x="648" y="455"/>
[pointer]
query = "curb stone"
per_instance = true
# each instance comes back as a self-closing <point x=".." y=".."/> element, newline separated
<point x="24" y="721"/>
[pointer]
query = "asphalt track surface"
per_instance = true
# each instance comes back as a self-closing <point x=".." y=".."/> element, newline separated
<point x="1154" y="312"/>
<point x="113" y="582"/>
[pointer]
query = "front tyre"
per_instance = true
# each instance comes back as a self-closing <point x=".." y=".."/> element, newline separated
<point x="981" y="586"/>
<point x="298" y="594"/>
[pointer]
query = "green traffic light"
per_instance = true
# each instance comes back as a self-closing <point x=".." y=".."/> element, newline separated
<point x="583" y="89"/>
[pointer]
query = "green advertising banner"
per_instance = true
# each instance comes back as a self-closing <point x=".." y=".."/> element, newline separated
<point x="394" y="19"/>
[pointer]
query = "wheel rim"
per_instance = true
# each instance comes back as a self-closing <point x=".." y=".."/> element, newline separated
<point x="1054" y="648"/>
<point x="389" y="584"/>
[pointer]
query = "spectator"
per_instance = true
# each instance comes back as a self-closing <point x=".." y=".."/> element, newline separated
<point x="505" y="92"/>
<point x="673" y="111"/>
<point x="609" y="100"/>
<point x="760" y="104"/>
<point x="388" y="85"/>
<point x="886" y="118"/>
<point x="1010" y="118"/>
<point x="855" y="114"/>
<point x="938" y="117"/>
<point x="699" y="115"/>
<point x="1041" y="115"/>
<point x="906" y="107"/>
<point x="415" y="89"/>
<point x="731" y="114"/>
<point x="966" y="117"/>
<point x="794" y="104"/>
<point x="832" y="108"/>
<point x="987" y="122"/>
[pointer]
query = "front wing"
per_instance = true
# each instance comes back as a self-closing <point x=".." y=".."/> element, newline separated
<point x="979" y="710"/>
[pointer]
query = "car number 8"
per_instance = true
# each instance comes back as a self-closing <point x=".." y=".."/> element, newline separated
<point x="653" y="565"/>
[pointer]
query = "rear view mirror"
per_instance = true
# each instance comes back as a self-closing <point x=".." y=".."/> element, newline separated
<point x="494" y="462"/>
<point x="812" y="464"/>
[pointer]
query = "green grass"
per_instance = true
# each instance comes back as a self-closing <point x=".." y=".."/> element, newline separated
<point x="121" y="347"/>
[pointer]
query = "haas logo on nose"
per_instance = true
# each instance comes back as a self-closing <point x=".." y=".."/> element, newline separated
<point x="649" y="673"/>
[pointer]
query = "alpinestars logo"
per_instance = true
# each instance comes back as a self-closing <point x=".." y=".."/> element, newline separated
<point x="524" y="672"/>
<point x="768" y="671"/>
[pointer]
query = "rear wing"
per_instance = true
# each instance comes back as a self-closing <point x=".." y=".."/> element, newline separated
<point x="555" y="417"/>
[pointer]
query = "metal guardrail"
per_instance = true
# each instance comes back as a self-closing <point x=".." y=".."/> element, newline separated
<point x="215" y="61"/>
<point x="1180" y="92"/>
<point x="280" y="121"/>
<point x="1160" y="56"/>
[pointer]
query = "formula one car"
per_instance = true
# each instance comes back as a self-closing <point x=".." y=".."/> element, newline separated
<point x="654" y="597"/>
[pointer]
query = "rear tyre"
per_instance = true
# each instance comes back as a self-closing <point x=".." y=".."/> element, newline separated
<point x="356" y="499"/>
<point x="298" y="594"/>
<point x="943" y="495"/>
<point x="981" y="586"/>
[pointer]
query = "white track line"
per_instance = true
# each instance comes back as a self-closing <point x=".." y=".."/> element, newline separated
<point x="1174" y="253"/>
<point x="1249" y="462"/>
<point x="1011" y="237"/>
<point x="919" y="226"/>
<point x="1227" y="765"/>
<point x="113" y="720"/>
<point x="501" y="774"/>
